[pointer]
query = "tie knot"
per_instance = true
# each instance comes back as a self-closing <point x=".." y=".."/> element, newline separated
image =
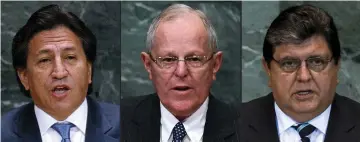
<point x="63" y="129"/>
<point x="178" y="132"/>
<point x="304" y="130"/>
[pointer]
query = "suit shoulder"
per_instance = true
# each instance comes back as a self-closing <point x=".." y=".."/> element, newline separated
<point x="129" y="105"/>
<point x="257" y="103"/>
<point x="110" y="106"/>
<point x="111" y="111"/>
<point x="223" y="107"/>
<point x="136" y="100"/>
<point x="7" y="121"/>
<point x="12" y="114"/>
<point x="348" y="104"/>
<point x="254" y="109"/>
<point x="9" y="116"/>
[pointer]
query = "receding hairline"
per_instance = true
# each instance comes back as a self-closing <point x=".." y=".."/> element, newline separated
<point x="177" y="11"/>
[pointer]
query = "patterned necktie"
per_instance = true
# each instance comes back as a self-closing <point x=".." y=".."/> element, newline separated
<point x="178" y="132"/>
<point x="304" y="129"/>
<point x="64" y="130"/>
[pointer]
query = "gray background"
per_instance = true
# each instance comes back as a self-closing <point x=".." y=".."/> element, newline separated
<point x="135" y="20"/>
<point x="103" y="18"/>
<point x="257" y="17"/>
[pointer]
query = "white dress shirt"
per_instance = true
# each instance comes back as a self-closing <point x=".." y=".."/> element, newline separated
<point x="288" y="134"/>
<point x="78" y="118"/>
<point x="194" y="124"/>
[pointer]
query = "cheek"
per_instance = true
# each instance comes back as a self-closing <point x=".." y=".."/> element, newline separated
<point x="326" y="82"/>
<point x="281" y="83"/>
<point x="206" y="77"/>
<point x="202" y="79"/>
<point x="160" y="79"/>
<point x="79" y="75"/>
<point x="39" y="79"/>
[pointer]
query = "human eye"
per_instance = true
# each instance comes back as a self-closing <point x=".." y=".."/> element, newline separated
<point x="167" y="59"/>
<point x="289" y="64"/>
<point x="44" y="60"/>
<point x="70" y="57"/>
<point x="194" y="59"/>
<point x="318" y="61"/>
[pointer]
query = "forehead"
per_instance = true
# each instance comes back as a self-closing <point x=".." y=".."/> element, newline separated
<point x="59" y="38"/>
<point x="315" y="45"/>
<point x="186" y="32"/>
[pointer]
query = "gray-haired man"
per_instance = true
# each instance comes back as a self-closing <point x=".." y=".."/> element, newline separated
<point x="182" y="62"/>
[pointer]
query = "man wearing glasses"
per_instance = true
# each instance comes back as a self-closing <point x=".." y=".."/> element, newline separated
<point x="182" y="61"/>
<point x="301" y="56"/>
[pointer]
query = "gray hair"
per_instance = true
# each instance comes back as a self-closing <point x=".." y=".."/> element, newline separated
<point x="174" y="11"/>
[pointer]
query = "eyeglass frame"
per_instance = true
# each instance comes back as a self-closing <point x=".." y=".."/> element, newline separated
<point x="327" y="61"/>
<point x="177" y="60"/>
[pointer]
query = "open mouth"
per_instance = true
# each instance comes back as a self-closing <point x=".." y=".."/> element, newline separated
<point x="60" y="90"/>
<point x="181" y="88"/>
<point x="304" y="92"/>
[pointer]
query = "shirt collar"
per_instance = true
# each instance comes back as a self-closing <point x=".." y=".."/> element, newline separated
<point x="194" y="124"/>
<point x="321" y="121"/>
<point x="78" y="118"/>
<point x="284" y="121"/>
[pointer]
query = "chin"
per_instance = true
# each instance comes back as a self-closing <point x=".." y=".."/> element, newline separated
<point x="306" y="108"/>
<point x="182" y="106"/>
<point x="64" y="105"/>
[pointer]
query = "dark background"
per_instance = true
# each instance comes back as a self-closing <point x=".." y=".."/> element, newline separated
<point x="103" y="19"/>
<point x="136" y="18"/>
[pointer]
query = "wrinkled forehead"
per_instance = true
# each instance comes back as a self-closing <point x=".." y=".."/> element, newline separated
<point x="187" y="31"/>
<point x="314" y="46"/>
<point x="59" y="38"/>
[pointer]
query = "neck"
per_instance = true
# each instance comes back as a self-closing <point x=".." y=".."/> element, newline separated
<point x="304" y="116"/>
<point x="59" y="114"/>
<point x="181" y="118"/>
<point x="301" y="118"/>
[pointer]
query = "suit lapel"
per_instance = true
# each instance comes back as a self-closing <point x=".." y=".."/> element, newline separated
<point x="341" y="122"/>
<point x="97" y="125"/>
<point x="220" y="121"/>
<point x="262" y="123"/>
<point x="146" y="119"/>
<point x="26" y="125"/>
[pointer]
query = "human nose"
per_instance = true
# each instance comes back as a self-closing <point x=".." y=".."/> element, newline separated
<point x="181" y="68"/>
<point x="59" y="69"/>
<point x="303" y="73"/>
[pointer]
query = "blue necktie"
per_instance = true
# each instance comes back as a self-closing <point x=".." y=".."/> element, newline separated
<point x="178" y="132"/>
<point x="64" y="130"/>
<point x="304" y="129"/>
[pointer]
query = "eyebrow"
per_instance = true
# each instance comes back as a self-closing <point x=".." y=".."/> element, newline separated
<point x="311" y="56"/>
<point x="69" y="48"/>
<point x="318" y="55"/>
<point x="46" y="51"/>
<point x="192" y="53"/>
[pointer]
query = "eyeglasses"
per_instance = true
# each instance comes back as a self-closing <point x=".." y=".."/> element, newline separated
<point x="316" y="64"/>
<point x="194" y="61"/>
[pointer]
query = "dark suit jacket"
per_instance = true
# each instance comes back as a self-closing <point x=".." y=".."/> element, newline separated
<point x="259" y="121"/>
<point x="140" y="120"/>
<point x="103" y="124"/>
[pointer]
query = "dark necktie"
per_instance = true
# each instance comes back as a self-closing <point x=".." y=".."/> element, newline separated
<point x="178" y="132"/>
<point x="64" y="130"/>
<point x="304" y="129"/>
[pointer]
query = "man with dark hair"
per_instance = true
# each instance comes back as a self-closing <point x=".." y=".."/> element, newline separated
<point x="301" y="56"/>
<point x="53" y="56"/>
